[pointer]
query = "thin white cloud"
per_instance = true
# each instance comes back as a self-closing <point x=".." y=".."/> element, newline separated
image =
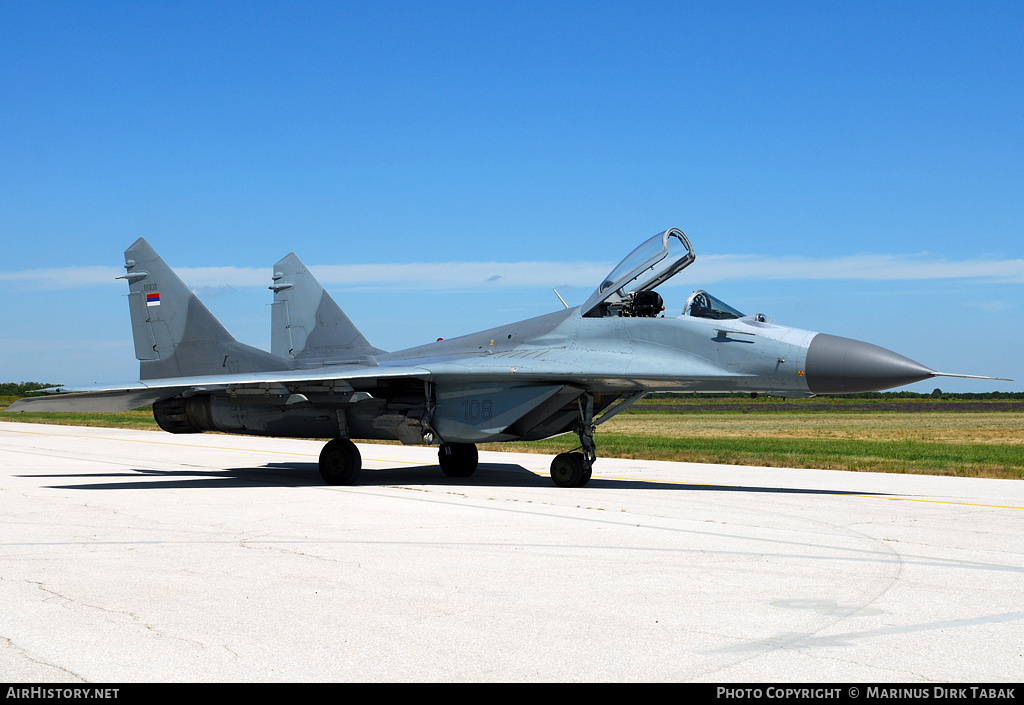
<point x="484" y="275"/>
<point x="461" y="275"/>
<point x="63" y="277"/>
<point x="877" y="267"/>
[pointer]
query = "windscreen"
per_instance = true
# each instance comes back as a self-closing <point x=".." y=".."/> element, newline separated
<point x="701" y="304"/>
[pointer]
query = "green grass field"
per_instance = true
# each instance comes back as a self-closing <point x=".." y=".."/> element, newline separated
<point x="970" y="438"/>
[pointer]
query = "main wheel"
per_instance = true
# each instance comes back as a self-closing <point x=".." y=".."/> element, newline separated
<point x="457" y="459"/>
<point x="340" y="462"/>
<point x="570" y="470"/>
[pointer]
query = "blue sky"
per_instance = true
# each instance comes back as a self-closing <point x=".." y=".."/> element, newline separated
<point x="856" y="170"/>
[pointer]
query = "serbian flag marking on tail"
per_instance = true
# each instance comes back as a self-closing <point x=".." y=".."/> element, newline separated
<point x="153" y="299"/>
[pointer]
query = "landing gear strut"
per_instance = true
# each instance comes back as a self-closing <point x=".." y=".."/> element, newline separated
<point x="457" y="459"/>
<point x="574" y="469"/>
<point x="340" y="462"/>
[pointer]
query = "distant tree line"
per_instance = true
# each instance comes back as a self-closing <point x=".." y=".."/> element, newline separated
<point x="934" y="394"/>
<point x="20" y="389"/>
<point x="939" y="394"/>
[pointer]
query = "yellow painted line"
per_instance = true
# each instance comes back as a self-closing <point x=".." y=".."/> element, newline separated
<point x="940" y="501"/>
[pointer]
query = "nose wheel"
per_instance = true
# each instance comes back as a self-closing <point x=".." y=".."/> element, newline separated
<point x="570" y="470"/>
<point x="574" y="469"/>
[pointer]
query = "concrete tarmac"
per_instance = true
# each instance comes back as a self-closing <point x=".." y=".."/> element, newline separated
<point x="138" y="556"/>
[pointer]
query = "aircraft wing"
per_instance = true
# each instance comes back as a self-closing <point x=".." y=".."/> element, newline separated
<point x="107" y="400"/>
<point x="125" y="397"/>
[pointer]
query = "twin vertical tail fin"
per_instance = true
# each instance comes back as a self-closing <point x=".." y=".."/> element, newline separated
<point x="307" y="326"/>
<point x="175" y="334"/>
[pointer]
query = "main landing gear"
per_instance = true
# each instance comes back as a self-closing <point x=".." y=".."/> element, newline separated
<point x="340" y="461"/>
<point x="457" y="459"/>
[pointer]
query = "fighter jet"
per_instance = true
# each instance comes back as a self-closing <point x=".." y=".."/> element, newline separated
<point x="564" y="372"/>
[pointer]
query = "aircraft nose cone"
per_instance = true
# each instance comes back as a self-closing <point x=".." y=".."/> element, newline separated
<point x="844" y="366"/>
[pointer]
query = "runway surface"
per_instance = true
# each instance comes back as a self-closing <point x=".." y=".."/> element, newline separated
<point x="143" y="556"/>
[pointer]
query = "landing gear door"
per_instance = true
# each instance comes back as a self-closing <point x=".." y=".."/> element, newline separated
<point x="652" y="263"/>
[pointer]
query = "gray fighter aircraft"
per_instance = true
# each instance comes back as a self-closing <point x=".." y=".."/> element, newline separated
<point x="568" y="371"/>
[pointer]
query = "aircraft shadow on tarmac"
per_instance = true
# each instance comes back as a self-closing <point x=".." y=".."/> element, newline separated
<point x="308" y="475"/>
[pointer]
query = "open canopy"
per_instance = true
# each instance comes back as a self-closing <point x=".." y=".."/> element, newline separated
<point x="652" y="263"/>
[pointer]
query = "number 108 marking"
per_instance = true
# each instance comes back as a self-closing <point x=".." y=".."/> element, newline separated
<point x="477" y="410"/>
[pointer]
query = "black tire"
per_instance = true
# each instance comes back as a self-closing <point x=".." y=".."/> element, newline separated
<point x="570" y="470"/>
<point x="340" y="462"/>
<point x="457" y="459"/>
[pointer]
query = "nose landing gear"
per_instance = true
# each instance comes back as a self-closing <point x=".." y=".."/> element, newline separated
<point x="574" y="469"/>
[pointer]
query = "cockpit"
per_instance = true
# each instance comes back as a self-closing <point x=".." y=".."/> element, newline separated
<point x="628" y="290"/>
<point x="701" y="304"/>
